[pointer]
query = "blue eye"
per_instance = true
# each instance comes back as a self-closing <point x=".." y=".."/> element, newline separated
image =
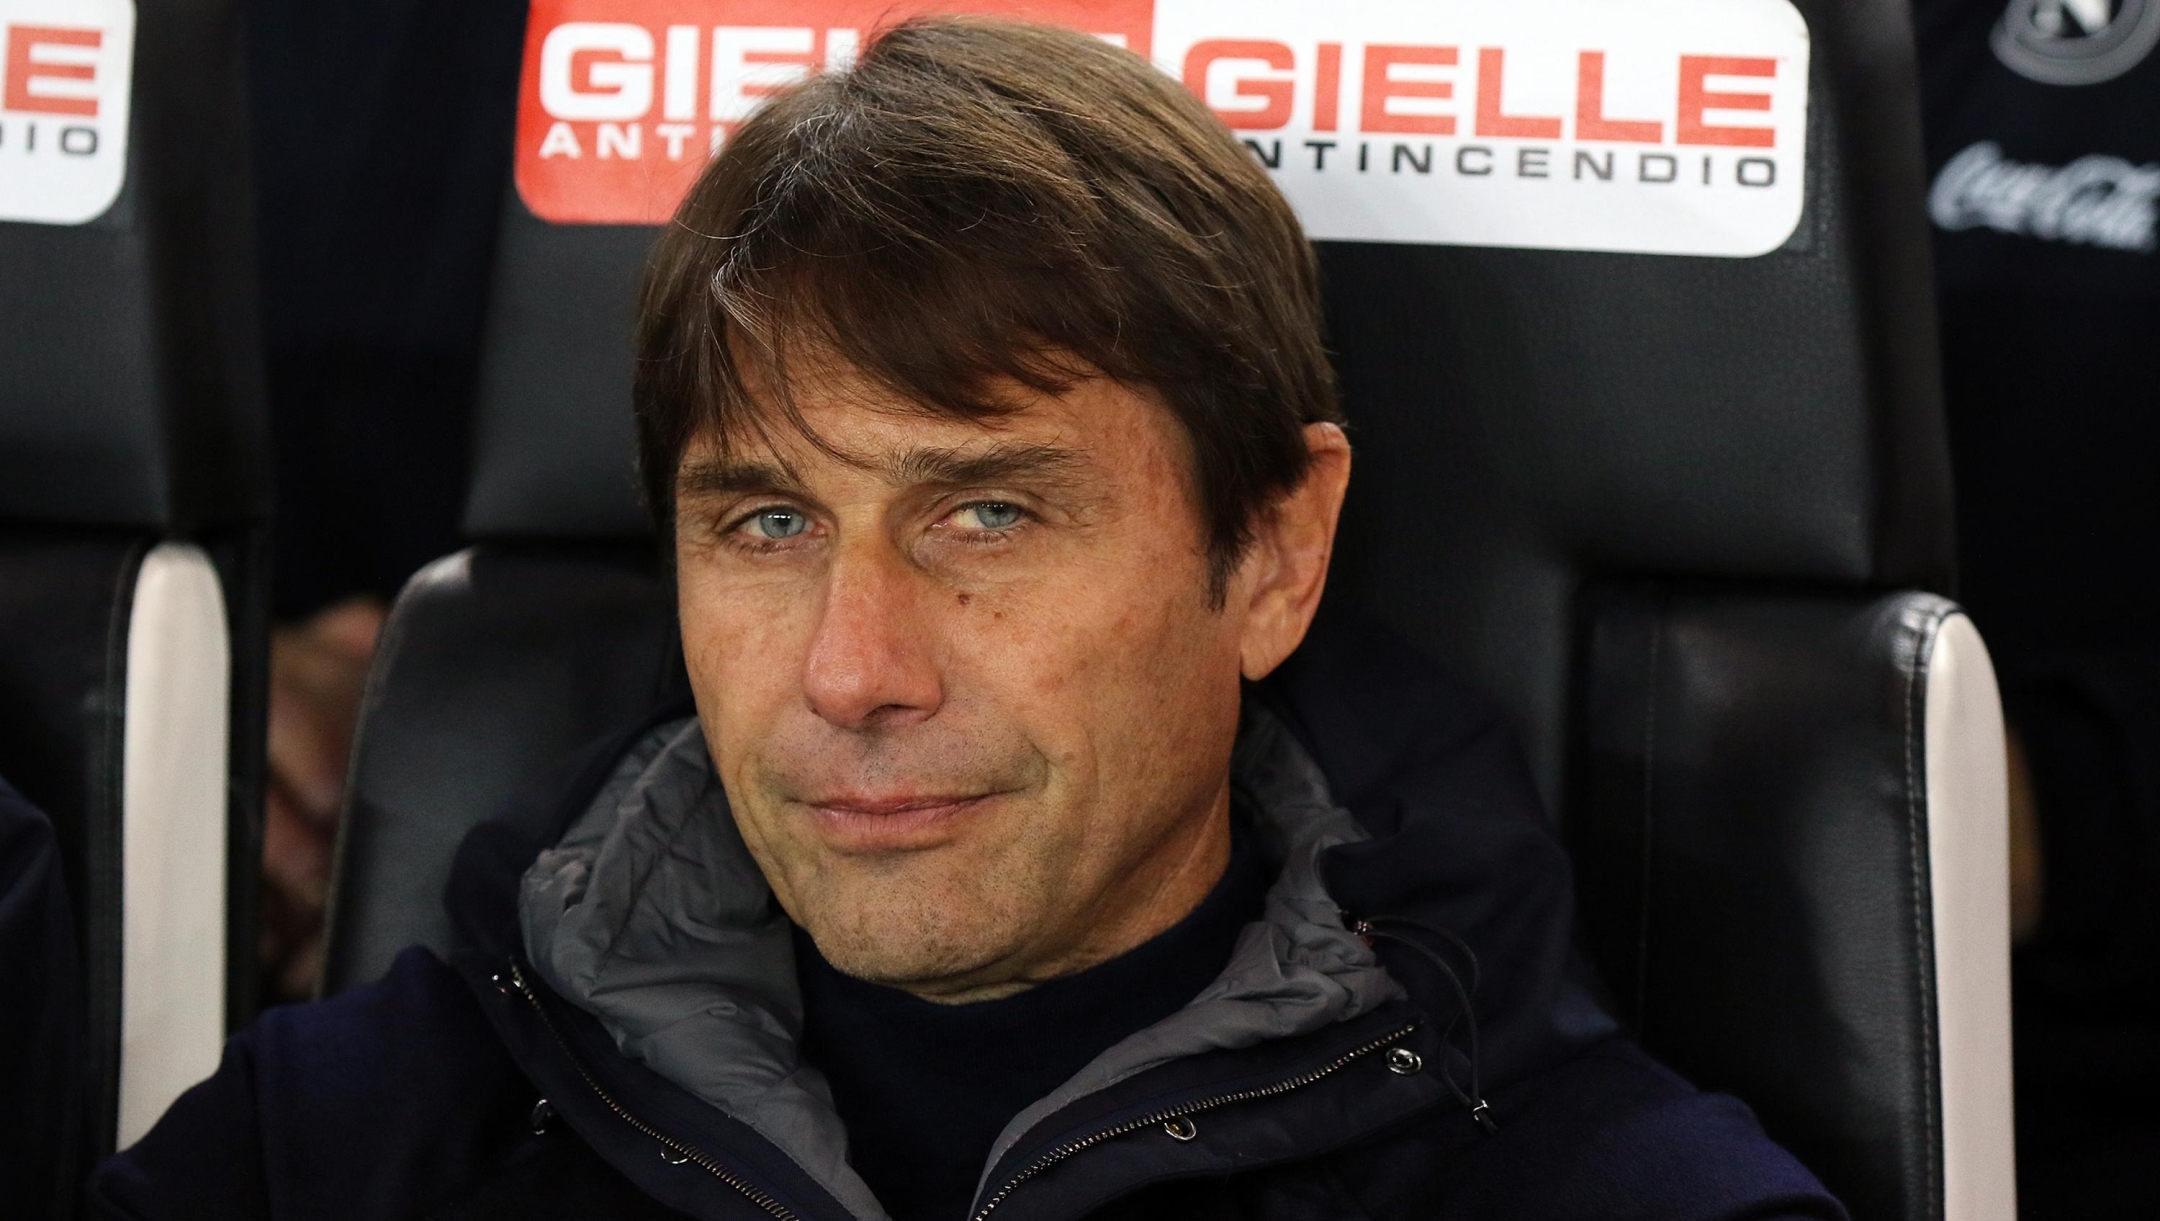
<point x="992" y="515"/>
<point x="776" y="523"/>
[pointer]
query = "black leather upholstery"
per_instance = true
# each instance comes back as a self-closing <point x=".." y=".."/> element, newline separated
<point x="63" y="631"/>
<point x="1661" y="508"/>
<point x="131" y="389"/>
<point x="131" y="414"/>
<point x="1526" y="420"/>
<point x="497" y="662"/>
<point x="554" y="448"/>
<point x="1750" y="824"/>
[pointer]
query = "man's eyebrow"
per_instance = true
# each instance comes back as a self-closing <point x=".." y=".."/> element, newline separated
<point x="955" y="466"/>
<point x="733" y="476"/>
<point x="962" y="466"/>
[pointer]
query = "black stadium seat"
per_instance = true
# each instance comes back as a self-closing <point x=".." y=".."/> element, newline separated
<point x="1676" y="496"/>
<point x="133" y="498"/>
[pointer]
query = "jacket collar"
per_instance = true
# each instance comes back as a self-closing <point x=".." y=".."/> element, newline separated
<point x="651" y="916"/>
<point x="1456" y="839"/>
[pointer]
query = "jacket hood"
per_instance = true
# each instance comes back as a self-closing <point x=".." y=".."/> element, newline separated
<point x="1445" y="833"/>
<point x="651" y="915"/>
<point x="1459" y="839"/>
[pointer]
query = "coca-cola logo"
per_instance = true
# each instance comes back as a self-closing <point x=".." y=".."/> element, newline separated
<point x="2093" y="201"/>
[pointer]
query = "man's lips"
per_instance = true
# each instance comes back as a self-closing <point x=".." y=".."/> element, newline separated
<point x="863" y="823"/>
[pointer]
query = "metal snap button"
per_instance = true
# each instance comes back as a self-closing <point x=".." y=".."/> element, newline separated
<point x="1181" y="1128"/>
<point x="543" y="1113"/>
<point x="1402" y="1062"/>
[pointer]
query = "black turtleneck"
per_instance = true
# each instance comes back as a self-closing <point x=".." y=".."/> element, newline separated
<point x="925" y="1088"/>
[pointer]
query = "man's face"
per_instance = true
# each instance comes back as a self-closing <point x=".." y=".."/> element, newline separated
<point x="963" y="682"/>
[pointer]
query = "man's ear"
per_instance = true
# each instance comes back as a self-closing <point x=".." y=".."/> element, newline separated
<point x="1285" y="569"/>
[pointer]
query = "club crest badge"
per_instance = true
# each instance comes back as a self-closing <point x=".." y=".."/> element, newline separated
<point x="2076" y="42"/>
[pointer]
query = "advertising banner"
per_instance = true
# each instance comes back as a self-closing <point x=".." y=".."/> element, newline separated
<point x="65" y="70"/>
<point x="1650" y="126"/>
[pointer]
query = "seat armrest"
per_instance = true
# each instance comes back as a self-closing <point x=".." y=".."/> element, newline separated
<point x="1789" y="821"/>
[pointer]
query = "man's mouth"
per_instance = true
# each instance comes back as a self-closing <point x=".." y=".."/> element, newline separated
<point x="892" y="822"/>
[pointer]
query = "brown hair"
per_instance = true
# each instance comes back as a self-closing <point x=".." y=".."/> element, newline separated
<point x="977" y="199"/>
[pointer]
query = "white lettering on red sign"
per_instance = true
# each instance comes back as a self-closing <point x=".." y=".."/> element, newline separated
<point x="64" y="87"/>
<point x="624" y="100"/>
<point x="1655" y="126"/>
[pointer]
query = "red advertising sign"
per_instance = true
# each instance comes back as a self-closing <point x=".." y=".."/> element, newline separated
<point x="1656" y="126"/>
<point x="622" y="101"/>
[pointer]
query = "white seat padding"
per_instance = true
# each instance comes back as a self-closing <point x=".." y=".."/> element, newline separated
<point x="175" y="757"/>
<point x="1968" y="860"/>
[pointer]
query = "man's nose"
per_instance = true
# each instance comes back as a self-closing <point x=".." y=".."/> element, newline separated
<point x="873" y="660"/>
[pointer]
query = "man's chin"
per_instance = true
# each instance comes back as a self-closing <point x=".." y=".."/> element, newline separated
<point x="926" y="948"/>
<point x="935" y="974"/>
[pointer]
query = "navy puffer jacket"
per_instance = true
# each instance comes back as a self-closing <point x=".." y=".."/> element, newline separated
<point x="478" y="1087"/>
<point x="41" y="1102"/>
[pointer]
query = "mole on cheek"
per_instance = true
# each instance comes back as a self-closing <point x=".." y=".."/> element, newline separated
<point x="966" y="598"/>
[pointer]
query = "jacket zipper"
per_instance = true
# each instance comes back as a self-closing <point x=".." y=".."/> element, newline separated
<point x="1072" y="1147"/>
<point x="682" y="1153"/>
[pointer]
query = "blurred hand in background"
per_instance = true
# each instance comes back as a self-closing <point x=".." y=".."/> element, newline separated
<point x="2028" y="876"/>
<point x="318" y="671"/>
<point x="382" y="132"/>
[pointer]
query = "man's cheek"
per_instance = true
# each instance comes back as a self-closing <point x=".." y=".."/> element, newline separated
<point x="787" y="853"/>
<point x="747" y="647"/>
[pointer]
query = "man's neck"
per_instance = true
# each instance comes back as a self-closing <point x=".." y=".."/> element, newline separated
<point x="925" y="1089"/>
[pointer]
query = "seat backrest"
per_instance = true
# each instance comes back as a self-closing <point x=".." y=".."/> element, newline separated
<point x="133" y="496"/>
<point x="1630" y="304"/>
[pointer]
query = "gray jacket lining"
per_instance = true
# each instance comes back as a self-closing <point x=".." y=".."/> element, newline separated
<point x="652" y="915"/>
